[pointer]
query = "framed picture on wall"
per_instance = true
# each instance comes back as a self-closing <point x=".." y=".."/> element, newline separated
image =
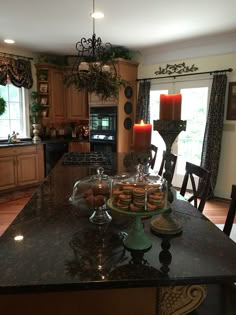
<point x="231" y="109"/>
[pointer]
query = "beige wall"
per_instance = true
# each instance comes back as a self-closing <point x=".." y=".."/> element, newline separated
<point x="227" y="169"/>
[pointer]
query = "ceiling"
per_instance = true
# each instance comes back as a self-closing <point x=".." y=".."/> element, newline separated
<point x="53" y="27"/>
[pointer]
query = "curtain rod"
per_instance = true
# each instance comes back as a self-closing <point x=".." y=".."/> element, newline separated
<point x="184" y="75"/>
<point x="13" y="55"/>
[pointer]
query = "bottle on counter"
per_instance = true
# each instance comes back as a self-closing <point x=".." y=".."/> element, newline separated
<point x="53" y="132"/>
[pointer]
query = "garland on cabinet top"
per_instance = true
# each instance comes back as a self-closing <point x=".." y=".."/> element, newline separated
<point x="92" y="75"/>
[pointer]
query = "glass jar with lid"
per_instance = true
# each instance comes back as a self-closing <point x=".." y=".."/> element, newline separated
<point x="139" y="193"/>
<point x="94" y="192"/>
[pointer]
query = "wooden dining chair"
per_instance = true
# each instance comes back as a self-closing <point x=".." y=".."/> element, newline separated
<point x="231" y="212"/>
<point x="197" y="195"/>
<point x="173" y="160"/>
<point x="153" y="149"/>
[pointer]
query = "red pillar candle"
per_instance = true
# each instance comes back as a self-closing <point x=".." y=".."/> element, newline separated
<point x="170" y="106"/>
<point x="142" y="136"/>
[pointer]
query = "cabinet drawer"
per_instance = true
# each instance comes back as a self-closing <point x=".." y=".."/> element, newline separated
<point x="15" y="150"/>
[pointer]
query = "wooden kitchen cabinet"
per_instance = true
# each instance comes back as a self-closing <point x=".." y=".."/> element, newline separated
<point x="21" y="166"/>
<point x="57" y="91"/>
<point x="79" y="146"/>
<point x="96" y="100"/>
<point x="62" y="103"/>
<point x="50" y="87"/>
<point x="76" y="103"/>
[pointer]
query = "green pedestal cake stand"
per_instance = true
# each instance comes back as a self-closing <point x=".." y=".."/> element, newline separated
<point x="137" y="238"/>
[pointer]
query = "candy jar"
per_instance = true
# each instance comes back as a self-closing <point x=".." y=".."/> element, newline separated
<point x="99" y="193"/>
<point x="92" y="192"/>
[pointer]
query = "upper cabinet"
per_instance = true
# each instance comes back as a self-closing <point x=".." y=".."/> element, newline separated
<point x="76" y="103"/>
<point x="51" y="92"/>
<point x="96" y="100"/>
<point x="57" y="92"/>
<point x="60" y="103"/>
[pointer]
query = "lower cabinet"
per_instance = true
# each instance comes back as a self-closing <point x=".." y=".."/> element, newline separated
<point x="21" y="166"/>
<point x="79" y="146"/>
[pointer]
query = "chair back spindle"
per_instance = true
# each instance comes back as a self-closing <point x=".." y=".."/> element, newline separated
<point x="197" y="195"/>
<point x="231" y="212"/>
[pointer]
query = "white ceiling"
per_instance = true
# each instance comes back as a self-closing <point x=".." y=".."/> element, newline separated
<point x="53" y="27"/>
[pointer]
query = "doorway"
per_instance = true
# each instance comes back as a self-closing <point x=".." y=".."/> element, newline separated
<point x="188" y="145"/>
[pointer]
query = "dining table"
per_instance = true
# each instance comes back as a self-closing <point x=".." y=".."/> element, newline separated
<point x="54" y="260"/>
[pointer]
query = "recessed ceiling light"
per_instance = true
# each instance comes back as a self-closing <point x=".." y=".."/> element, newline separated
<point x="97" y="15"/>
<point x="9" y="41"/>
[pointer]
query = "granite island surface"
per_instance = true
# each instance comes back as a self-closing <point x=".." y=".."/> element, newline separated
<point x="62" y="251"/>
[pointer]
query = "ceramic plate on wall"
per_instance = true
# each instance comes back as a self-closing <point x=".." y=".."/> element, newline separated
<point x="128" y="91"/>
<point x="128" y="108"/>
<point x="128" y="123"/>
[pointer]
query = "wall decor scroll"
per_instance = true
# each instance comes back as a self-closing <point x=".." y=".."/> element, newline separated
<point x="176" y="68"/>
<point x="231" y="109"/>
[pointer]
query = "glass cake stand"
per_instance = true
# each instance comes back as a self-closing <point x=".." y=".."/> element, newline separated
<point x="137" y="239"/>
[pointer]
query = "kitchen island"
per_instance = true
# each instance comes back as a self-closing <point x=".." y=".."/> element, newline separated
<point x="67" y="265"/>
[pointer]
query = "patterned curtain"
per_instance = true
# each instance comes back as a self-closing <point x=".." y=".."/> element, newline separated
<point x="17" y="71"/>
<point x="143" y="107"/>
<point x="214" y="128"/>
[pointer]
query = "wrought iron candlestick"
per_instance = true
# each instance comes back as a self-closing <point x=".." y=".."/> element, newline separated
<point x="169" y="130"/>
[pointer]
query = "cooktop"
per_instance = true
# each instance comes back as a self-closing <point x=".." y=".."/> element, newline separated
<point x="86" y="158"/>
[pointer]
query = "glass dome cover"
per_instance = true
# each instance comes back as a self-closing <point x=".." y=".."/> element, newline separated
<point x="93" y="192"/>
<point x="139" y="192"/>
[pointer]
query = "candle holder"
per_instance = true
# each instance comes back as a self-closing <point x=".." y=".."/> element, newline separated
<point x="169" y="130"/>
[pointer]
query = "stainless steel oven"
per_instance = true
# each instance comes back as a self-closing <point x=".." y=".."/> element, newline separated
<point x="103" y="122"/>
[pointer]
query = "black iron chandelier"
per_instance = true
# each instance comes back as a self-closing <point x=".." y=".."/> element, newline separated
<point x="94" y="68"/>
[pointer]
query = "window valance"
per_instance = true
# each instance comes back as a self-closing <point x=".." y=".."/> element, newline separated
<point x="17" y="71"/>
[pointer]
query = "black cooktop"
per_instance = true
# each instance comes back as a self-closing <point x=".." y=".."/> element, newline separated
<point x="86" y="158"/>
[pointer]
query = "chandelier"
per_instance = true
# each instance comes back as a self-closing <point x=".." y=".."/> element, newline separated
<point x="94" y="68"/>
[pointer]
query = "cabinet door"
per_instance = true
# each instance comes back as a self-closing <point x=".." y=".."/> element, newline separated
<point x="57" y="90"/>
<point x="79" y="147"/>
<point x="95" y="99"/>
<point x="8" y="178"/>
<point x="27" y="169"/>
<point x="76" y="103"/>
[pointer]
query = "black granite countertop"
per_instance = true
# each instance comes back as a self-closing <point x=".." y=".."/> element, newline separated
<point x="28" y="141"/>
<point x="63" y="251"/>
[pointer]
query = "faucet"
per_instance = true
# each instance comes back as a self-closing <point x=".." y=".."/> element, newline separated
<point x="13" y="138"/>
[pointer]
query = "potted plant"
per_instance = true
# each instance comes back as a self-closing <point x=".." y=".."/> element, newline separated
<point x="35" y="108"/>
<point x="3" y="106"/>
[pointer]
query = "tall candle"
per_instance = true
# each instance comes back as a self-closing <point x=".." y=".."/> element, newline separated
<point x="170" y="106"/>
<point x="142" y="136"/>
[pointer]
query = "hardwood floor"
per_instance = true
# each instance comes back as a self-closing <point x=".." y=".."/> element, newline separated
<point x="9" y="210"/>
<point x="216" y="210"/>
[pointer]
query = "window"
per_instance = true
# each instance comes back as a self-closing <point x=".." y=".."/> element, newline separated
<point x="16" y="115"/>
